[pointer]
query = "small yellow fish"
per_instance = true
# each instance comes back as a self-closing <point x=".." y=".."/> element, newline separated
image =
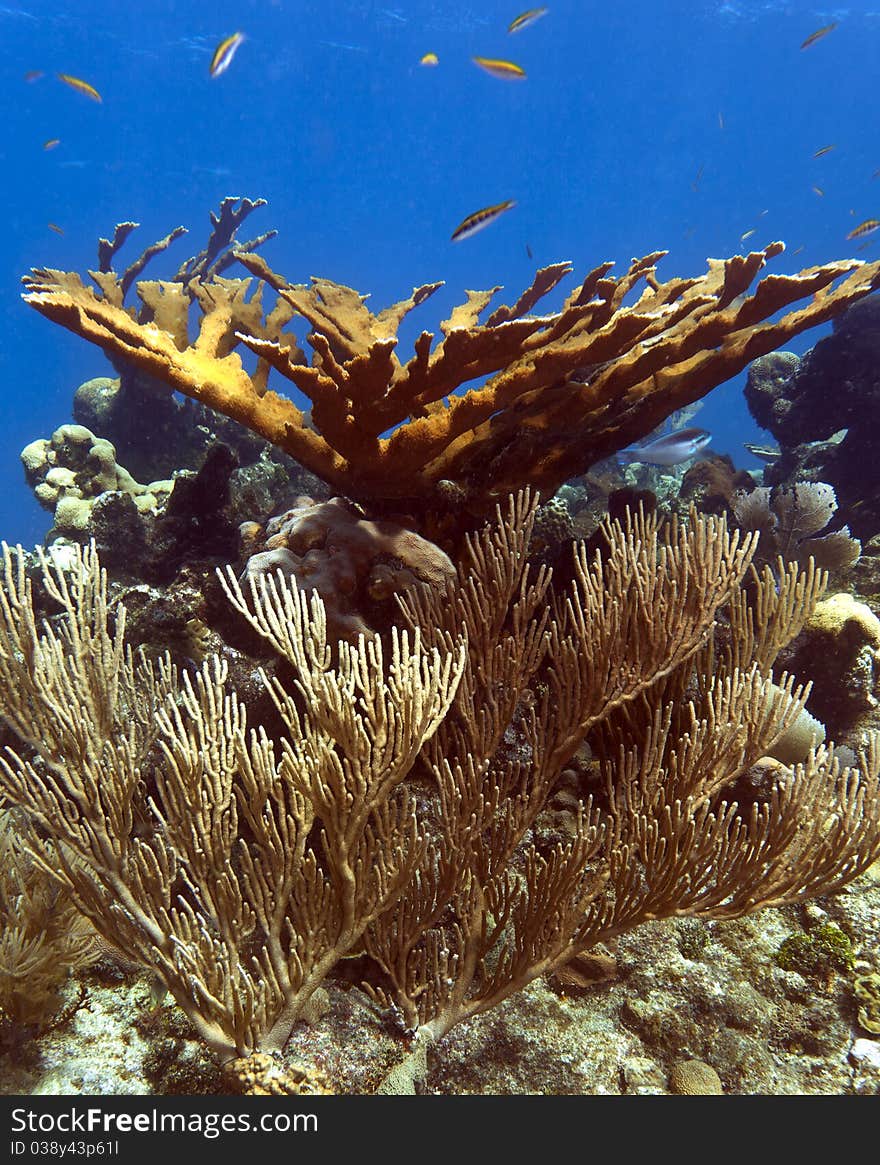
<point x="224" y="52"/>
<point x="526" y="18"/>
<point x="57" y="229"/>
<point x="429" y="59"/>
<point x="864" y="228"/>
<point x="824" y="150"/>
<point x="51" y="143"/>
<point x="818" y="190"/>
<point x="506" y="70"/>
<point x="818" y="34"/>
<point x="80" y="86"/>
<point x="797" y="250"/>
<point x="479" y="219"/>
<point x="746" y="235"/>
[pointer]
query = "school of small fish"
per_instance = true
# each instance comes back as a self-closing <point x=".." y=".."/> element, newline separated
<point x="500" y="68"/>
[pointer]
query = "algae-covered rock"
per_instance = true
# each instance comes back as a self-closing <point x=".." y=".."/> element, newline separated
<point x="817" y="953"/>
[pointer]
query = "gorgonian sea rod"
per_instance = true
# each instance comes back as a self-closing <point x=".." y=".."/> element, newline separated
<point x="552" y="393"/>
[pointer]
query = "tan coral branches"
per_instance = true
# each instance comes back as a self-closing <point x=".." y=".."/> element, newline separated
<point x="515" y="399"/>
<point x="396" y="811"/>
<point x="200" y="862"/>
<point x="662" y="836"/>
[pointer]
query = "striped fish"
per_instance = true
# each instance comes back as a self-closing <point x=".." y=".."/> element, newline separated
<point x="80" y="86"/>
<point x="479" y="219"/>
<point x="768" y="453"/>
<point x="506" y="70"/>
<point x="224" y="53"/>
<point x="526" y="18"/>
<point x="864" y="228"/>
<point x="818" y="34"/>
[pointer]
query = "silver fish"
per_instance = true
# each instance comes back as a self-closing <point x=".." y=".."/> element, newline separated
<point x="672" y="449"/>
<point x="768" y="453"/>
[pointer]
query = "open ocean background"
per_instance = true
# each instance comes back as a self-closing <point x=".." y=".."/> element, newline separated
<point x="677" y="125"/>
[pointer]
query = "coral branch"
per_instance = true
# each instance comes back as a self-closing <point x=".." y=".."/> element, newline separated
<point x="520" y="398"/>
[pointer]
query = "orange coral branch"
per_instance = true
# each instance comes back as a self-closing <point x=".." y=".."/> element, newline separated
<point x="551" y="394"/>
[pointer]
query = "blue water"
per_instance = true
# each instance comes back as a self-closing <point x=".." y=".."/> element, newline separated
<point x="640" y="126"/>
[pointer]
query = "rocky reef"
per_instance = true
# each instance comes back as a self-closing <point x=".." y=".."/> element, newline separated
<point x="553" y="886"/>
<point x="689" y="1007"/>
<point x="820" y="408"/>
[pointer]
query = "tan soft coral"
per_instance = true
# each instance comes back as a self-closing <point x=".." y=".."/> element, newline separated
<point x="43" y="939"/>
<point x="551" y="394"/>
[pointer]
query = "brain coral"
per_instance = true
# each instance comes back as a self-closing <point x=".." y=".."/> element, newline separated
<point x="356" y="564"/>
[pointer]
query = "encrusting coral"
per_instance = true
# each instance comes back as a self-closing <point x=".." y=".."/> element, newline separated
<point x="559" y="392"/>
<point x="392" y="815"/>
